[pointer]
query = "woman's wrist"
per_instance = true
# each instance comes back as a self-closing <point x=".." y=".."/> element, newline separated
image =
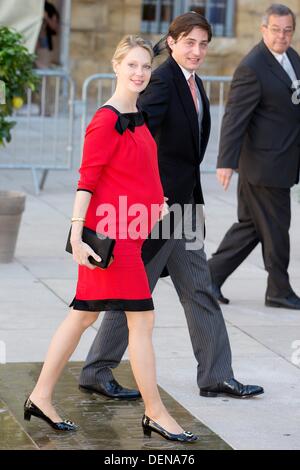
<point x="76" y="233"/>
<point x="75" y="241"/>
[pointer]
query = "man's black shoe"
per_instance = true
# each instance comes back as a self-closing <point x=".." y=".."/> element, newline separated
<point x="111" y="389"/>
<point x="291" y="301"/>
<point x="232" y="388"/>
<point x="218" y="294"/>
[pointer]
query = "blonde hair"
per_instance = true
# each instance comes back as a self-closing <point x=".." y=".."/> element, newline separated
<point x="129" y="42"/>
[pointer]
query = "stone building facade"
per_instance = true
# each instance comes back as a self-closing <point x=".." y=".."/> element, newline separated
<point x="97" y="26"/>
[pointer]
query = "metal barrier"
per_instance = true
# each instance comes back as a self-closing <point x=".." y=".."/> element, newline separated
<point x="210" y="82"/>
<point x="89" y="107"/>
<point x="216" y="89"/>
<point x="221" y="81"/>
<point x="42" y="139"/>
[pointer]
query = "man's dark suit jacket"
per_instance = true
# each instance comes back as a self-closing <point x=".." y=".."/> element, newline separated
<point x="173" y="122"/>
<point x="261" y="126"/>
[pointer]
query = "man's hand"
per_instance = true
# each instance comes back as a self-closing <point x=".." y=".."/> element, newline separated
<point x="224" y="176"/>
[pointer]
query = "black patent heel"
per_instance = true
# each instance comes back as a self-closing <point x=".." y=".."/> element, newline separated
<point x="147" y="431"/>
<point x="149" y="425"/>
<point x="30" y="409"/>
<point x="27" y="415"/>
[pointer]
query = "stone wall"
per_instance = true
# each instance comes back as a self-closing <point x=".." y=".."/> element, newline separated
<point x="96" y="28"/>
<point x="98" y="25"/>
<point x="225" y="53"/>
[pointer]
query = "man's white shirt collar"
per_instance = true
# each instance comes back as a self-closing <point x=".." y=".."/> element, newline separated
<point x="277" y="56"/>
<point x="186" y="72"/>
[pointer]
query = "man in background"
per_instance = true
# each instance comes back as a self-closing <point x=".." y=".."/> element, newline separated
<point x="260" y="138"/>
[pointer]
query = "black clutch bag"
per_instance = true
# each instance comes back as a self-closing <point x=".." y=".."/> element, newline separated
<point x="101" y="245"/>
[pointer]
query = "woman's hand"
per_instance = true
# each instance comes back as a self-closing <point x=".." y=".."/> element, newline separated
<point x="164" y="209"/>
<point x="81" y="252"/>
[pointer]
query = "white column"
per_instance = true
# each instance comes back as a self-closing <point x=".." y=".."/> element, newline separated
<point x="65" y="26"/>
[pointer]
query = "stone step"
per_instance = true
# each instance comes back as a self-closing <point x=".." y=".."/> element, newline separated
<point x="105" y="424"/>
<point x="12" y="434"/>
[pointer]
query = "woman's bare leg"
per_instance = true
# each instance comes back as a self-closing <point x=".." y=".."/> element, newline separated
<point x="142" y="359"/>
<point x="62" y="345"/>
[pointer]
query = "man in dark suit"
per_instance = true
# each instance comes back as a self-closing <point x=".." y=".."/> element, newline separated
<point x="178" y="117"/>
<point x="261" y="138"/>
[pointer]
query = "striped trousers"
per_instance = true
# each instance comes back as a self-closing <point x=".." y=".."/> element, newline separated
<point x="190" y="275"/>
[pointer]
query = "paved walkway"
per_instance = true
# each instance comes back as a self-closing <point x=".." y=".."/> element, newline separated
<point x="36" y="288"/>
<point x="104" y="424"/>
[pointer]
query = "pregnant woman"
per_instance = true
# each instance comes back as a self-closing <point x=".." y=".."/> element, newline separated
<point x="120" y="190"/>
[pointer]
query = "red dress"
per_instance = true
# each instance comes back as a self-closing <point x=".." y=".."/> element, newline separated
<point x="120" y="169"/>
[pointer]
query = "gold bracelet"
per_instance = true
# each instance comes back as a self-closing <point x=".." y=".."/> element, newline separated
<point x="77" y="219"/>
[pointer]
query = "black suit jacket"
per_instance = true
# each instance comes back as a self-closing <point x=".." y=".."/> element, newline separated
<point x="173" y="122"/>
<point x="261" y="125"/>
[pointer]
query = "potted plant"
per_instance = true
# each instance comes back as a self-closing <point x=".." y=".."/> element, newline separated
<point x="16" y="76"/>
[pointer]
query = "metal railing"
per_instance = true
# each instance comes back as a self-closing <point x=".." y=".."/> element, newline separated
<point x="90" y="106"/>
<point x="42" y="139"/>
<point x="103" y="87"/>
<point x="221" y="81"/>
<point x="216" y="89"/>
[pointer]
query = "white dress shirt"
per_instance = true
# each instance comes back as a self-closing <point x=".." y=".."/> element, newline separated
<point x="285" y="63"/>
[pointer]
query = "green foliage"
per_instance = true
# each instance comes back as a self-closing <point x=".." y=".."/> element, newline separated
<point x="16" y="71"/>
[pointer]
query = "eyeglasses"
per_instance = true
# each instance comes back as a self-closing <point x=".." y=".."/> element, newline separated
<point x="276" y="31"/>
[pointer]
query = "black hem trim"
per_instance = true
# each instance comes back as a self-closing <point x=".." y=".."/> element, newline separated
<point x="87" y="190"/>
<point x="129" y="305"/>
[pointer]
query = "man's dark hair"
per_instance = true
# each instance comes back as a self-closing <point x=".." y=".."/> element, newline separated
<point x="182" y="26"/>
<point x="279" y="10"/>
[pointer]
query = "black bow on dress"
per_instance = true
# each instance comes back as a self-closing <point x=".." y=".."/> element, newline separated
<point x="130" y="121"/>
<point x="124" y="123"/>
